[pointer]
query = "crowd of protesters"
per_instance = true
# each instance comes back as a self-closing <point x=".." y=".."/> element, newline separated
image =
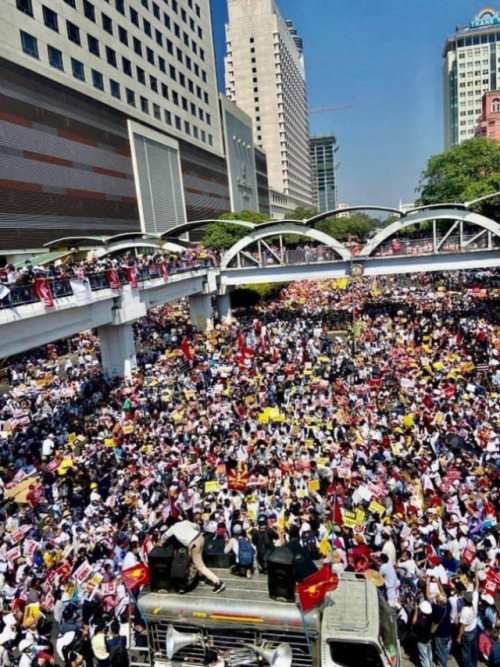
<point x="378" y="450"/>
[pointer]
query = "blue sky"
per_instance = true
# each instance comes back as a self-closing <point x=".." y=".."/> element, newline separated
<point x="384" y="56"/>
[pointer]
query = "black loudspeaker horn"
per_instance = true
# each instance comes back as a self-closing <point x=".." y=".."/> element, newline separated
<point x="160" y="563"/>
<point x="281" y="575"/>
<point x="214" y="556"/>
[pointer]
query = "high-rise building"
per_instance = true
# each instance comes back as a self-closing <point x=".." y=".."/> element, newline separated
<point x="489" y="123"/>
<point x="471" y="68"/>
<point x="109" y="118"/>
<point x="324" y="184"/>
<point x="265" y="76"/>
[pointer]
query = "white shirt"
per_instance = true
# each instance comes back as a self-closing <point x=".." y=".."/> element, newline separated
<point x="468" y="615"/>
<point x="130" y="560"/>
<point x="47" y="447"/>
<point x="184" y="531"/>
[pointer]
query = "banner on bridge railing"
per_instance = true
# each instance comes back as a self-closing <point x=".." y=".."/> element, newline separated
<point x="42" y="290"/>
<point x="82" y="291"/>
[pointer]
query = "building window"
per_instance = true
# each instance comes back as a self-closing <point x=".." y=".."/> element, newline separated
<point x="202" y="54"/>
<point x="175" y="97"/>
<point x="166" y="21"/>
<point x="184" y="15"/>
<point x="25" y="6"/>
<point x="168" y="117"/>
<point x="162" y="65"/>
<point x="173" y="74"/>
<point x="195" y="132"/>
<point x="495" y="105"/>
<point x="164" y="91"/>
<point x="130" y="97"/>
<point x="205" y="97"/>
<point x="184" y="104"/>
<point x="29" y="44"/>
<point x="78" y="69"/>
<point x="159" y="37"/>
<point x="50" y="19"/>
<point x="55" y="58"/>
<point x="144" y="105"/>
<point x="177" y="31"/>
<point x="137" y="46"/>
<point x="97" y="80"/>
<point x="89" y="10"/>
<point x="182" y="79"/>
<point x="187" y="127"/>
<point x="111" y="56"/>
<point x="179" y="55"/>
<point x="156" y="11"/>
<point x="120" y="6"/>
<point x="175" y="6"/>
<point x="203" y="136"/>
<point x="123" y="35"/>
<point x="147" y="28"/>
<point x="107" y="24"/>
<point x="150" y="55"/>
<point x="114" y="86"/>
<point x="156" y="112"/>
<point x="93" y="45"/>
<point x="153" y="82"/>
<point x="127" y="66"/>
<point x="141" y="75"/>
<point x="71" y="3"/>
<point x="178" y="123"/>
<point x="134" y="17"/>
<point x="73" y="33"/>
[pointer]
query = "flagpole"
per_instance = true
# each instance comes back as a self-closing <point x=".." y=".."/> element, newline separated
<point x="306" y="627"/>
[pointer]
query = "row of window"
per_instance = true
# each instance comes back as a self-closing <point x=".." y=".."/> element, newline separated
<point x="55" y="57"/>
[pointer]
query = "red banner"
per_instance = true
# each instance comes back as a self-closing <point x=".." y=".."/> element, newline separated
<point x="186" y="350"/>
<point x="238" y="479"/>
<point x="468" y="555"/>
<point x="42" y="290"/>
<point x="312" y="591"/>
<point x="113" y="278"/>
<point x="164" y="270"/>
<point x="131" y="273"/>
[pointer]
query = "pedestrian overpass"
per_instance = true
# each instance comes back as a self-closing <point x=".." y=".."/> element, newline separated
<point x="451" y="238"/>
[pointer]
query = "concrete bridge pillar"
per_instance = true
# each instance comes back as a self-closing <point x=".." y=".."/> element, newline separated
<point x="117" y="350"/>
<point x="224" y="306"/>
<point x="200" y="308"/>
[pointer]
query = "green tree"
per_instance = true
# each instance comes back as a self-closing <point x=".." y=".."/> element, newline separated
<point x="465" y="172"/>
<point x="220" y="236"/>
<point x="302" y="213"/>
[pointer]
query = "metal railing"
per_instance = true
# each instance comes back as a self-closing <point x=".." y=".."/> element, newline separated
<point x="24" y="294"/>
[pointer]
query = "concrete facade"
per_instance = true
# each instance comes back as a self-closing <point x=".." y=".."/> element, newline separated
<point x="109" y="119"/>
<point x="471" y="68"/>
<point x="265" y="76"/>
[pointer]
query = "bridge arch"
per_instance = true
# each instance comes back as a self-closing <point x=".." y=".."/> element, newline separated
<point x="457" y="216"/>
<point x="336" y="211"/>
<point x="175" y="232"/>
<point x="280" y="229"/>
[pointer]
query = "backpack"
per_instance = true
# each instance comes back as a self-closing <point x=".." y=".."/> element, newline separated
<point x="310" y="545"/>
<point x="245" y="552"/>
<point x="118" y="656"/>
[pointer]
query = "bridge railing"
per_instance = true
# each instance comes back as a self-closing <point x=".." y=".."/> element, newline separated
<point x="406" y="246"/>
<point x="24" y="294"/>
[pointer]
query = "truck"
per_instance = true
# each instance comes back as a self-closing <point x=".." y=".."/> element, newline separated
<point x="354" y="626"/>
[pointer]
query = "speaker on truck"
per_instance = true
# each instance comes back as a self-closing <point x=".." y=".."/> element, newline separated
<point x="281" y="575"/>
<point x="160" y="563"/>
<point x="214" y="556"/>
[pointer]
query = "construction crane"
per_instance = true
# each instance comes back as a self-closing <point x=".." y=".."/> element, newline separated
<point x="312" y="112"/>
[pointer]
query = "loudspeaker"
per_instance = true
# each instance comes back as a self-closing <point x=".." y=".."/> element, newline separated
<point x="160" y="563"/>
<point x="281" y="576"/>
<point x="214" y="556"/>
<point x="302" y="562"/>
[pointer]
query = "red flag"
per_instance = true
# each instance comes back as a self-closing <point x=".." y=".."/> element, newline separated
<point x="186" y="349"/>
<point x="237" y="479"/>
<point x="137" y="575"/>
<point x="312" y="590"/>
<point x="164" y="271"/>
<point x="337" y="514"/>
<point x="114" y="278"/>
<point x="131" y="273"/>
<point x="42" y="290"/>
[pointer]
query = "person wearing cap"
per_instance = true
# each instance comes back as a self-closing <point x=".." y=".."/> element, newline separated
<point x="26" y="649"/>
<point x="263" y="538"/>
<point x="236" y="544"/>
<point x="467" y="632"/>
<point x="422" y="623"/>
<point x="443" y="627"/>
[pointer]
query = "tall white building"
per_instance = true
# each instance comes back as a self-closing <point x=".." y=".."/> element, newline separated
<point x="265" y="76"/>
<point x="110" y="118"/>
<point x="471" y="68"/>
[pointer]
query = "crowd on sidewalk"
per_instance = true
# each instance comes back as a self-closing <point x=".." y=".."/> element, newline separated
<point x="379" y="451"/>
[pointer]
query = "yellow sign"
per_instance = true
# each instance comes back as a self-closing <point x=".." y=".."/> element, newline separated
<point x="313" y="485"/>
<point x="72" y="437"/>
<point x="360" y="517"/>
<point x="375" y="507"/>
<point x="109" y="442"/>
<point x="212" y="487"/>
<point x="128" y="428"/>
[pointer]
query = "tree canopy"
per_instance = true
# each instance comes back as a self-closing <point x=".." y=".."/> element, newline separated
<point x="465" y="172"/>
<point x="220" y="236"/>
